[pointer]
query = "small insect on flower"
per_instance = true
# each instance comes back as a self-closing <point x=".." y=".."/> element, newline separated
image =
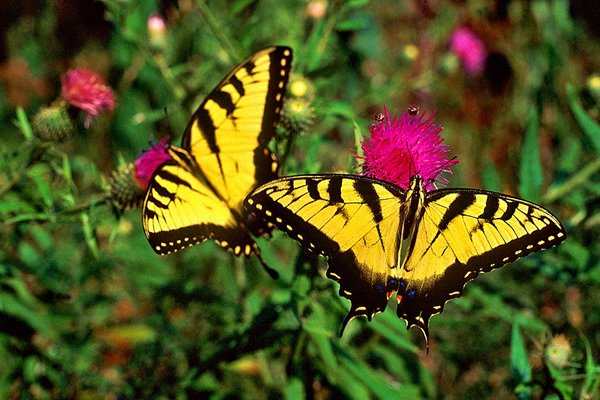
<point x="400" y="147"/>
<point x="86" y="90"/>
<point x="413" y="110"/>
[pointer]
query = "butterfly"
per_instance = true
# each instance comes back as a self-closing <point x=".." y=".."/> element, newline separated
<point x="422" y="246"/>
<point x="198" y="194"/>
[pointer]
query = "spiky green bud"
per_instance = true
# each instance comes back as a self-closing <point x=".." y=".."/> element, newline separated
<point x="53" y="124"/>
<point x="124" y="188"/>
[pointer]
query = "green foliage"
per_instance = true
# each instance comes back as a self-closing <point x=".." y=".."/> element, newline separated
<point x="87" y="310"/>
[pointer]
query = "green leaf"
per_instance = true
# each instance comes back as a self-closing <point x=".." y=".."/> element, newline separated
<point x="294" y="390"/>
<point x="575" y="181"/>
<point x="23" y="124"/>
<point x="531" y="167"/>
<point x="353" y="4"/>
<point x="520" y="367"/>
<point x="386" y="324"/>
<point x="352" y="25"/>
<point x="372" y="380"/>
<point x="490" y="177"/>
<point x="88" y="233"/>
<point x="43" y="187"/>
<point x="589" y="127"/>
<point x="579" y="254"/>
<point x="592" y="371"/>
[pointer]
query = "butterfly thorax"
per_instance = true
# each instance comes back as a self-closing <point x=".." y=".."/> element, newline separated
<point x="412" y="211"/>
<point x="415" y="199"/>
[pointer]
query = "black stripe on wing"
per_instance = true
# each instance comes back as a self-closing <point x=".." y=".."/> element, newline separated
<point x="420" y="305"/>
<point x="417" y="310"/>
<point x="361" y="284"/>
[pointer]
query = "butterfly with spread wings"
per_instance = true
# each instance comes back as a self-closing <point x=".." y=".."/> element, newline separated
<point x="198" y="194"/>
<point x="423" y="246"/>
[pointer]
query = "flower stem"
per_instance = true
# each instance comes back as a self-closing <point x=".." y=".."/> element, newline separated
<point x="572" y="183"/>
<point x="34" y="156"/>
<point x="38" y="217"/>
<point x="218" y="31"/>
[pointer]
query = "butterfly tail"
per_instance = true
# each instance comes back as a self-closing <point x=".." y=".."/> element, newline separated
<point x="272" y="273"/>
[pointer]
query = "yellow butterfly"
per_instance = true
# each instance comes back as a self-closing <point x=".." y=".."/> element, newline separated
<point x="423" y="246"/>
<point x="198" y="194"/>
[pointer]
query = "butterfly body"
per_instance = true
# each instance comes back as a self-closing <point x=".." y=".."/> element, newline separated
<point x="423" y="246"/>
<point x="198" y="194"/>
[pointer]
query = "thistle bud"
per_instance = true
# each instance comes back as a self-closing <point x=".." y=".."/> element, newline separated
<point x="53" y="124"/>
<point x="124" y="188"/>
<point x="297" y="115"/>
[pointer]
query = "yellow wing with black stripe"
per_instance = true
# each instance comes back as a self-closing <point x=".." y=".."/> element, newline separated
<point x="382" y="240"/>
<point x="223" y="156"/>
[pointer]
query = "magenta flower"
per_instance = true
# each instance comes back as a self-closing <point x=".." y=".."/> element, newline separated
<point x="86" y="90"/>
<point x="150" y="160"/>
<point x="402" y="147"/>
<point x="469" y="48"/>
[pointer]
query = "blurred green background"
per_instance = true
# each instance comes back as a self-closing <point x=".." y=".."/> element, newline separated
<point x="88" y="310"/>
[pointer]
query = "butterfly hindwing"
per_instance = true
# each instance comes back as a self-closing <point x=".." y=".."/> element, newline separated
<point x="352" y="221"/>
<point x="224" y="155"/>
<point x="465" y="232"/>
<point x="171" y="216"/>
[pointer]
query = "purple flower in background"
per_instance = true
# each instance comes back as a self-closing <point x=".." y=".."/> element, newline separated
<point x="86" y="90"/>
<point x="469" y="48"/>
<point x="150" y="160"/>
<point x="399" y="148"/>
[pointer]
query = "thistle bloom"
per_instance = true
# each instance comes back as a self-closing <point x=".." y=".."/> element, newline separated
<point x="150" y="160"/>
<point x="402" y="147"/>
<point x="86" y="90"/>
<point x="469" y="48"/>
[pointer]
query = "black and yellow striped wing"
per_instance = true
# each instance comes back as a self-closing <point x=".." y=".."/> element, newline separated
<point x="381" y="240"/>
<point x="224" y="155"/>
<point x="462" y="233"/>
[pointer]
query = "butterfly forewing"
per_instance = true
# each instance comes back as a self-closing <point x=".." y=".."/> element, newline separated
<point x="228" y="134"/>
<point x="198" y="195"/>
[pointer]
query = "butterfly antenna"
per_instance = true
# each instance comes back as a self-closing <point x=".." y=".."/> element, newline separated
<point x="169" y="127"/>
<point x="440" y="170"/>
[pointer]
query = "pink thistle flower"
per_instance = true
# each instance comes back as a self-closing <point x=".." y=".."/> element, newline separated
<point x="86" y="90"/>
<point x="402" y="147"/>
<point x="469" y="48"/>
<point x="150" y="160"/>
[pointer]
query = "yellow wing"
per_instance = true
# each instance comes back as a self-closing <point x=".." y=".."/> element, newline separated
<point x="464" y="232"/>
<point x="228" y="134"/>
<point x="224" y="155"/>
<point x="353" y="220"/>
<point x="180" y="210"/>
<point x="361" y="223"/>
